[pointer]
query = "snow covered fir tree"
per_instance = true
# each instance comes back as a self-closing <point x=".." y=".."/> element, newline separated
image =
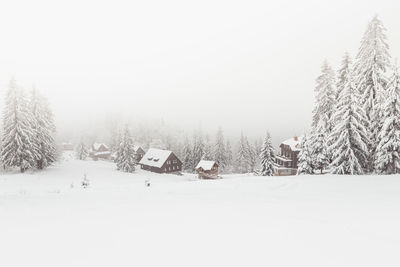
<point x="267" y="157"/>
<point x="355" y="121"/>
<point x="349" y="137"/>
<point x="305" y="161"/>
<point x="43" y="128"/>
<point x="126" y="156"/>
<point x="371" y="64"/>
<point x="28" y="129"/>
<point x="387" y="158"/>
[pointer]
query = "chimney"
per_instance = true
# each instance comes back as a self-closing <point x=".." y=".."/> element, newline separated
<point x="295" y="138"/>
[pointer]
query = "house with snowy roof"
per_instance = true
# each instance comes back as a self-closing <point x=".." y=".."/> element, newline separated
<point x="99" y="151"/>
<point x="160" y="161"/>
<point x="286" y="161"/>
<point x="207" y="169"/>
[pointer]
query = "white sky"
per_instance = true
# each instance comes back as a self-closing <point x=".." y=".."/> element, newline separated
<point x="243" y="65"/>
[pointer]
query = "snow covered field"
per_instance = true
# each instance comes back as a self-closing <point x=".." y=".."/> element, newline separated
<point x="180" y="221"/>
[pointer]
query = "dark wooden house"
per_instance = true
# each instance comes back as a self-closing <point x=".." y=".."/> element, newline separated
<point x="286" y="161"/>
<point x="139" y="151"/>
<point x="160" y="161"/>
<point x="207" y="169"/>
<point x="99" y="151"/>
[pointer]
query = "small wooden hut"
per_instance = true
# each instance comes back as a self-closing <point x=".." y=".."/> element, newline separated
<point x="207" y="169"/>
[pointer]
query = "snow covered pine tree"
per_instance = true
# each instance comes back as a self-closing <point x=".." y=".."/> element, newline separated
<point x="349" y="137"/>
<point x="126" y="157"/>
<point x="322" y="113"/>
<point x="44" y="128"/>
<point x="387" y="158"/>
<point x="370" y="66"/>
<point x="267" y="157"/>
<point x="305" y="163"/>
<point x="19" y="149"/>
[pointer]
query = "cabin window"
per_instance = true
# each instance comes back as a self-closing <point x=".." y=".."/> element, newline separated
<point x="175" y="161"/>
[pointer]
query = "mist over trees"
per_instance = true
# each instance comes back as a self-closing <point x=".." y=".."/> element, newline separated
<point x="189" y="147"/>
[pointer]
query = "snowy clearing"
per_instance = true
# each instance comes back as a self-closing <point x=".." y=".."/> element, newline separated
<point x="180" y="221"/>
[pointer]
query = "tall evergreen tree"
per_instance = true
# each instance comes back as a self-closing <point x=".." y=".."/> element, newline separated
<point x="349" y="137"/>
<point x="18" y="135"/>
<point x="267" y="157"/>
<point x="345" y="68"/>
<point x="370" y="66"/>
<point x="324" y="97"/>
<point x="388" y="150"/>
<point x="319" y="139"/>
<point x="43" y="128"/>
<point x="322" y="116"/>
<point x="219" y="150"/>
<point x="305" y="162"/>
<point x="126" y="156"/>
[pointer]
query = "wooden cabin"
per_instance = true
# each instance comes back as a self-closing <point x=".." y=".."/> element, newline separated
<point x="139" y="151"/>
<point x="100" y="151"/>
<point x="207" y="169"/>
<point x="286" y="161"/>
<point x="160" y="161"/>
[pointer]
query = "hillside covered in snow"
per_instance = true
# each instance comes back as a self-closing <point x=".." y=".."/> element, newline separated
<point x="48" y="219"/>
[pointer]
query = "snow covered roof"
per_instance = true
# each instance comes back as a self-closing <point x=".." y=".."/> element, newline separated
<point x="206" y="164"/>
<point x="294" y="144"/>
<point x="155" y="157"/>
<point x="96" y="146"/>
<point x="283" y="158"/>
<point x="102" y="153"/>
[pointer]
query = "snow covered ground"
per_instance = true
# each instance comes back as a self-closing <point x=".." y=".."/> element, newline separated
<point x="180" y="221"/>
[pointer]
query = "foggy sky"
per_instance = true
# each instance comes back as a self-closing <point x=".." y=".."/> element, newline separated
<point x="243" y="65"/>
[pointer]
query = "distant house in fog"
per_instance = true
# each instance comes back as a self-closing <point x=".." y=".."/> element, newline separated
<point x="160" y="161"/>
<point x="67" y="146"/>
<point x="286" y="160"/>
<point x="207" y="169"/>
<point x="99" y="151"/>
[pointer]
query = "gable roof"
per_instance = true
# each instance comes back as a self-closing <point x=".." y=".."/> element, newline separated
<point x="96" y="146"/>
<point x="293" y="144"/>
<point x="206" y="165"/>
<point x="136" y="148"/>
<point x="155" y="157"/>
